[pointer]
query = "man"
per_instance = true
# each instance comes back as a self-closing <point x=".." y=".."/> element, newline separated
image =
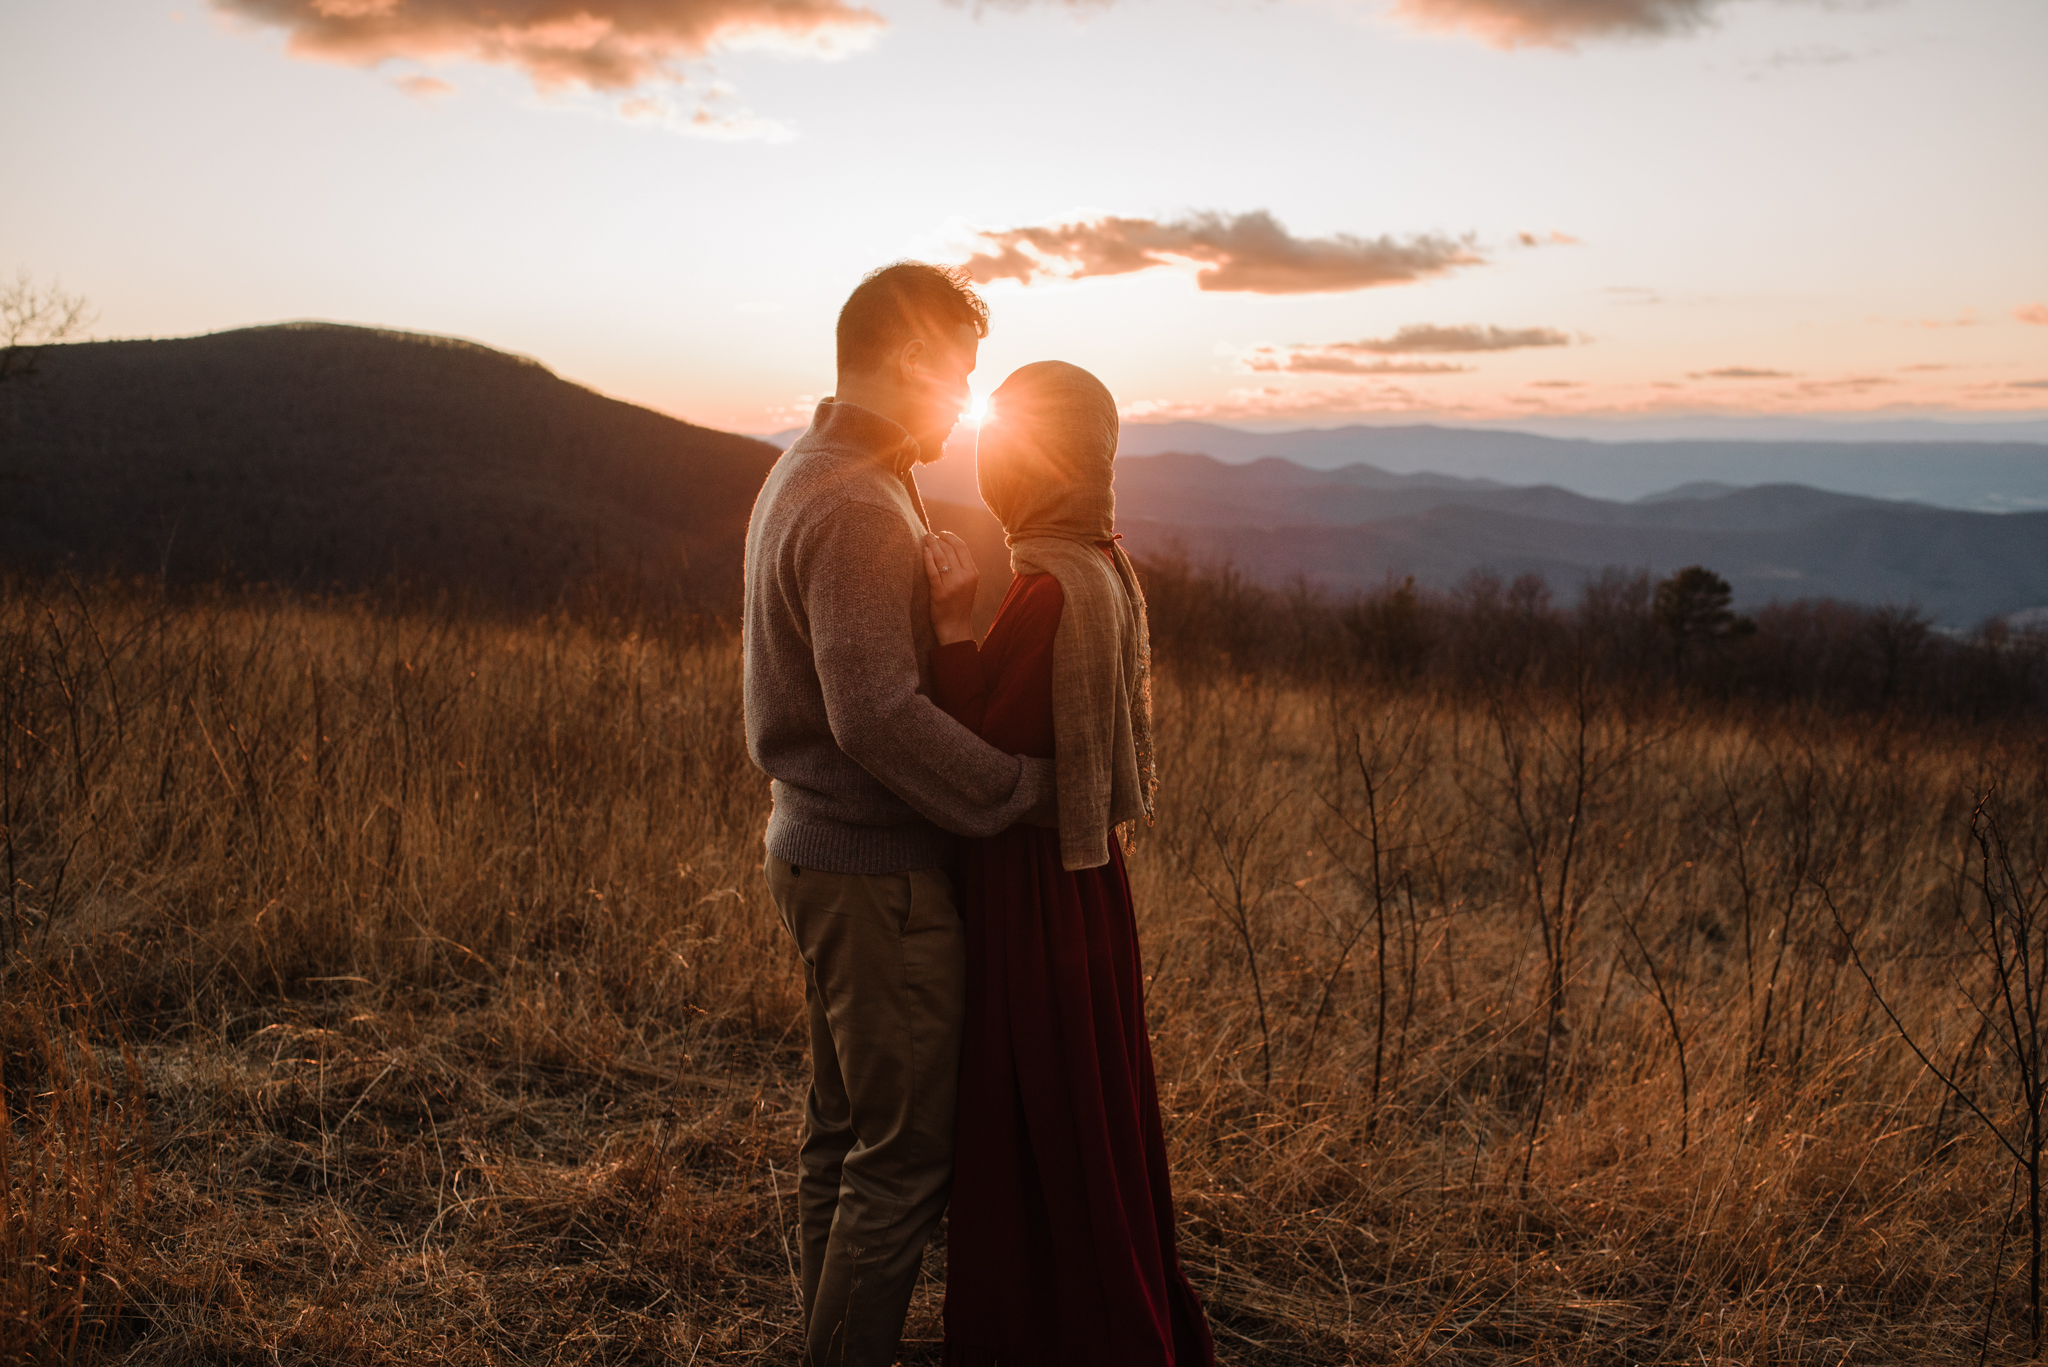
<point x="871" y="782"/>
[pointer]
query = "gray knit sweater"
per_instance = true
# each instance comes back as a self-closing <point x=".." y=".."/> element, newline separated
<point x="869" y="774"/>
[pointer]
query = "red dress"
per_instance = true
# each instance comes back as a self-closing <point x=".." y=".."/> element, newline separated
<point x="1060" y="1242"/>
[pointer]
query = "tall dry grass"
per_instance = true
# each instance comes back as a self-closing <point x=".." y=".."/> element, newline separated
<point x="399" y="987"/>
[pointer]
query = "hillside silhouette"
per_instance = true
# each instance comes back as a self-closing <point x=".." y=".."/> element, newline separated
<point x="317" y="456"/>
<point x="320" y="457"/>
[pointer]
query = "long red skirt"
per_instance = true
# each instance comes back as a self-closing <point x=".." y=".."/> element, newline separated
<point x="1060" y="1243"/>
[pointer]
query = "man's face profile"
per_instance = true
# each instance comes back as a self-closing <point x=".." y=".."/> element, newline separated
<point x="942" y="366"/>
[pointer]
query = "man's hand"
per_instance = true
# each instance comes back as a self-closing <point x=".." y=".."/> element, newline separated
<point x="954" y="579"/>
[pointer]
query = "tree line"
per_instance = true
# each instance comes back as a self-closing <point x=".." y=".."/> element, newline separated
<point x="1626" y="630"/>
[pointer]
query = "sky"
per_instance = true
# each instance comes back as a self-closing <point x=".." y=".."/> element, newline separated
<point x="1263" y="212"/>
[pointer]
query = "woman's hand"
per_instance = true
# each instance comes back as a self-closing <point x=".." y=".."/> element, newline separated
<point x="949" y="565"/>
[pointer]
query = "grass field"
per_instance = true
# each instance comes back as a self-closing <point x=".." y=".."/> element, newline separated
<point x="395" y="986"/>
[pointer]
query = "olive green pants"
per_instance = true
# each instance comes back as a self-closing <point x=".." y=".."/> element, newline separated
<point x="884" y="985"/>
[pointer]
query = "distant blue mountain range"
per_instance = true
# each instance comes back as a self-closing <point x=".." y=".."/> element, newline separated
<point x="1982" y="467"/>
<point x="1359" y="525"/>
<point x="1957" y="470"/>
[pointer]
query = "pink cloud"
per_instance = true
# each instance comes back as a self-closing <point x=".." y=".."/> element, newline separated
<point x="1269" y="403"/>
<point x="1332" y="361"/>
<point x="1557" y="23"/>
<point x="1247" y="253"/>
<point x="609" y="45"/>
<point x="2037" y="314"/>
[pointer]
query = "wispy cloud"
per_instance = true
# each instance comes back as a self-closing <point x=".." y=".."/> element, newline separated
<point x="705" y="117"/>
<point x="1424" y="338"/>
<point x="1811" y="55"/>
<point x="1557" y="23"/>
<point x="423" y="87"/>
<point x="1854" y="384"/>
<point x="2037" y="314"/>
<point x="1248" y="253"/>
<point x="1269" y="403"/>
<point x="1331" y="361"/>
<point x="1470" y="400"/>
<point x="978" y="6"/>
<point x="600" y="45"/>
<point x="1371" y="355"/>
<point x="1740" y="372"/>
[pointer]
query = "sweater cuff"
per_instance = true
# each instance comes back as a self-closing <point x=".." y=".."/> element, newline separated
<point x="1041" y="780"/>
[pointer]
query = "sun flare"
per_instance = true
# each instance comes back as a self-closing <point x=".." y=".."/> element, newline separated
<point x="977" y="410"/>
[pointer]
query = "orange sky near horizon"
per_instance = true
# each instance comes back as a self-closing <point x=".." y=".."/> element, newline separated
<point x="1300" y="213"/>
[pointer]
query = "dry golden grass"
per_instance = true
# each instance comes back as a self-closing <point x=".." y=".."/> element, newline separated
<point x="401" y="988"/>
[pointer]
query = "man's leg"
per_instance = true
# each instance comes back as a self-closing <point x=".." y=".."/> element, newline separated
<point x="886" y="973"/>
<point x="828" y="1137"/>
<point x="828" y="1119"/>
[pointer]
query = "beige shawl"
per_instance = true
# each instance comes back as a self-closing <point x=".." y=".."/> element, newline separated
<point x="1045" y="466"/>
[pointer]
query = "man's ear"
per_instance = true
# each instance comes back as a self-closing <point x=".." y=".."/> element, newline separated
<point x="911" y="358"/>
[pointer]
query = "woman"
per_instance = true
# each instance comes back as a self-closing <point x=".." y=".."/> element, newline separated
<point x="1060" y="1251"/>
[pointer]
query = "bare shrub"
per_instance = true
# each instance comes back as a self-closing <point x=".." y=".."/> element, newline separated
<point x="74" y="1174"/>
<point x="33" y="316"/>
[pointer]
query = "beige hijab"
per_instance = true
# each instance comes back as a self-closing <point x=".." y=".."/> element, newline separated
<point x="1044" y="462"/>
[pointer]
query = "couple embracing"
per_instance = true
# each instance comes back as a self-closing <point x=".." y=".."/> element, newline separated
<point x="945" y="852"/>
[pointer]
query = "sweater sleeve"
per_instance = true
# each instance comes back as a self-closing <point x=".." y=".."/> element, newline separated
<point x="856" y="569"/>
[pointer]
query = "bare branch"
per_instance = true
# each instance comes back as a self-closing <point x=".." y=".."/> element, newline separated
<point x="33" y="316"/>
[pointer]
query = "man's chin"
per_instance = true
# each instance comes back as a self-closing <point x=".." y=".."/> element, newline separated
<point x="931" y="445"/>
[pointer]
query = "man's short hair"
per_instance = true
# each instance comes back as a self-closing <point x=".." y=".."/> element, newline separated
<point x="900" y="301"/>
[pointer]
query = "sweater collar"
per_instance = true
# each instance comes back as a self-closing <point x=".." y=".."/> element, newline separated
<point x="864" y="431"/>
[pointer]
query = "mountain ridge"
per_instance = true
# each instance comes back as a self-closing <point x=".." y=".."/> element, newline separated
<point x="1984" y="476"/>
<point x="322" y="456"/>
<point x="1975" y="473"/>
